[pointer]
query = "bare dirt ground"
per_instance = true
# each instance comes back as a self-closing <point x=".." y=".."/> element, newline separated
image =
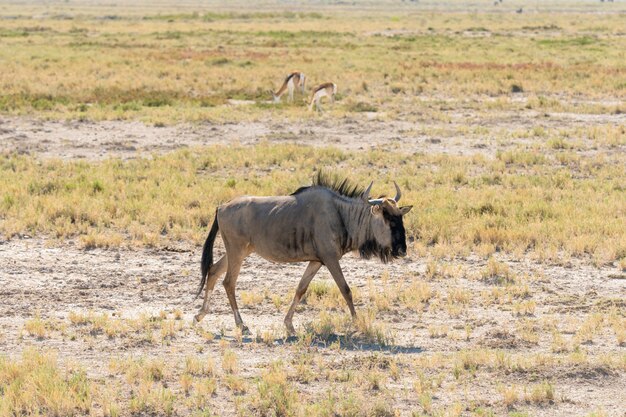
<point x="97" y="140"/>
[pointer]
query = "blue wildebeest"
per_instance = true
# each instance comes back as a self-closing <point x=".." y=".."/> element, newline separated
<point x="317" y="224"/>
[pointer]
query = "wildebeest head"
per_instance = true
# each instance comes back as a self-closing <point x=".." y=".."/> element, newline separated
<point x="387" y="228"/>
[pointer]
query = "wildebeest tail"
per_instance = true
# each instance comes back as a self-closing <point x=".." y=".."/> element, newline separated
<point x="207" y="253"/>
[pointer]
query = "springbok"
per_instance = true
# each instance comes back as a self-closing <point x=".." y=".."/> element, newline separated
<point x="317" y="224"/>
<point x="294" y="80"/>
<point x="326" y="89"/>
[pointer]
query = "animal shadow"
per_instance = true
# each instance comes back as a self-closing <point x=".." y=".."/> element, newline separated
<point x="348" y="343"/>
<point x="338" y="341"/>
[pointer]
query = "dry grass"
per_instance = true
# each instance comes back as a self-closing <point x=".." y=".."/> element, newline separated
<point x="497" y="272"/>
<point x="510" y="395"/>
<point x="36" y="327"/>
<point x="250" y="298"/>
<point x="143" y="328"/>
<point x="162" y="194"/>
<point x="438" y="331"/>
<point x="35" y="385"/>
<point x="541" y="393"/>
<point x="589" y="328"/>
<point x="416" y="295"/>
<point x="229" y="362"/>
<point x="275" y="394"/>
<point x="193" y="63"/>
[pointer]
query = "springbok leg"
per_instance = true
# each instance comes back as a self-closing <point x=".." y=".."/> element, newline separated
<point x="291" y="90"/>
<point x="309" y="273"/>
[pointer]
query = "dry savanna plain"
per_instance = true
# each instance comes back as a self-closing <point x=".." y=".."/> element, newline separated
<point x="123" y="125"/>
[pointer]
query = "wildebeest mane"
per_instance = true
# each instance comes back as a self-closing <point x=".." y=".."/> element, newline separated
<point x="341" y="186"/>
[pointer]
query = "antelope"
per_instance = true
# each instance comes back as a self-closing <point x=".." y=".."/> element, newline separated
<point x="294" y="80"/>
<point x="317" y="224"/>
<point x="326" y="89"/>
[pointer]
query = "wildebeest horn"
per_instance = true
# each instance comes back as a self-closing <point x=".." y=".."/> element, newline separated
<point x="398" y="192"/>
<point x="375" y="201"/>
<point x="366" y="193"/>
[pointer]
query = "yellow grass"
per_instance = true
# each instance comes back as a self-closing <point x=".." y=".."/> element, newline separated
<point x="36" y="327"/>
<point x="150" y="202"/>
<point x="186" y="65"/>
<point x="229" y="362"/>
<point x="34" y="384"/>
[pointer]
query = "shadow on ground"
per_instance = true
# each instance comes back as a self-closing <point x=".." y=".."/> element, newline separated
<point x="344" y="342"/>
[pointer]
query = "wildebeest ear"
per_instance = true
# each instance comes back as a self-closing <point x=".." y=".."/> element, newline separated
<point x="405" y="209"/>
<point x="376" y="210"/>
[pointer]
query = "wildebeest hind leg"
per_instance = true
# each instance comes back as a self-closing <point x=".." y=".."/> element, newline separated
<point x="309" y="273"/>
<point x="232" y="273"/>
<point x="335" y="270"/>
<point x="215" y="272"/>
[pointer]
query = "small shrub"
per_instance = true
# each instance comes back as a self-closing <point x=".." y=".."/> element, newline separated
<point x="276" y="395"/>
<point x="229" y="362"/>
<point x="361" y="107"/>
<point x="541" y="393"/>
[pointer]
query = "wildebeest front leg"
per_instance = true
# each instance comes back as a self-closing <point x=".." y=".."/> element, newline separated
<point x="214" y="273"/>
<point x="335" y="270"/>
<point x="309" y="273"/>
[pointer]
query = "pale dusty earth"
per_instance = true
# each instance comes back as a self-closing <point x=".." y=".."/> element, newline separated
<point x="122" y="139"/>
<point x="52" y="279"/>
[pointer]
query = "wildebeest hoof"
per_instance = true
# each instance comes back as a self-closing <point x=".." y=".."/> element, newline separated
<point x="196" y="319"/>
<point x="245" y="331"/>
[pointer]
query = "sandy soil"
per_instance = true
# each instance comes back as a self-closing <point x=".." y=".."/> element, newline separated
<point x="75" y="139"/>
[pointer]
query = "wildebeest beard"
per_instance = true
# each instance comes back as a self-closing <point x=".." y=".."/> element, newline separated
<point x="372" y="248"/>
